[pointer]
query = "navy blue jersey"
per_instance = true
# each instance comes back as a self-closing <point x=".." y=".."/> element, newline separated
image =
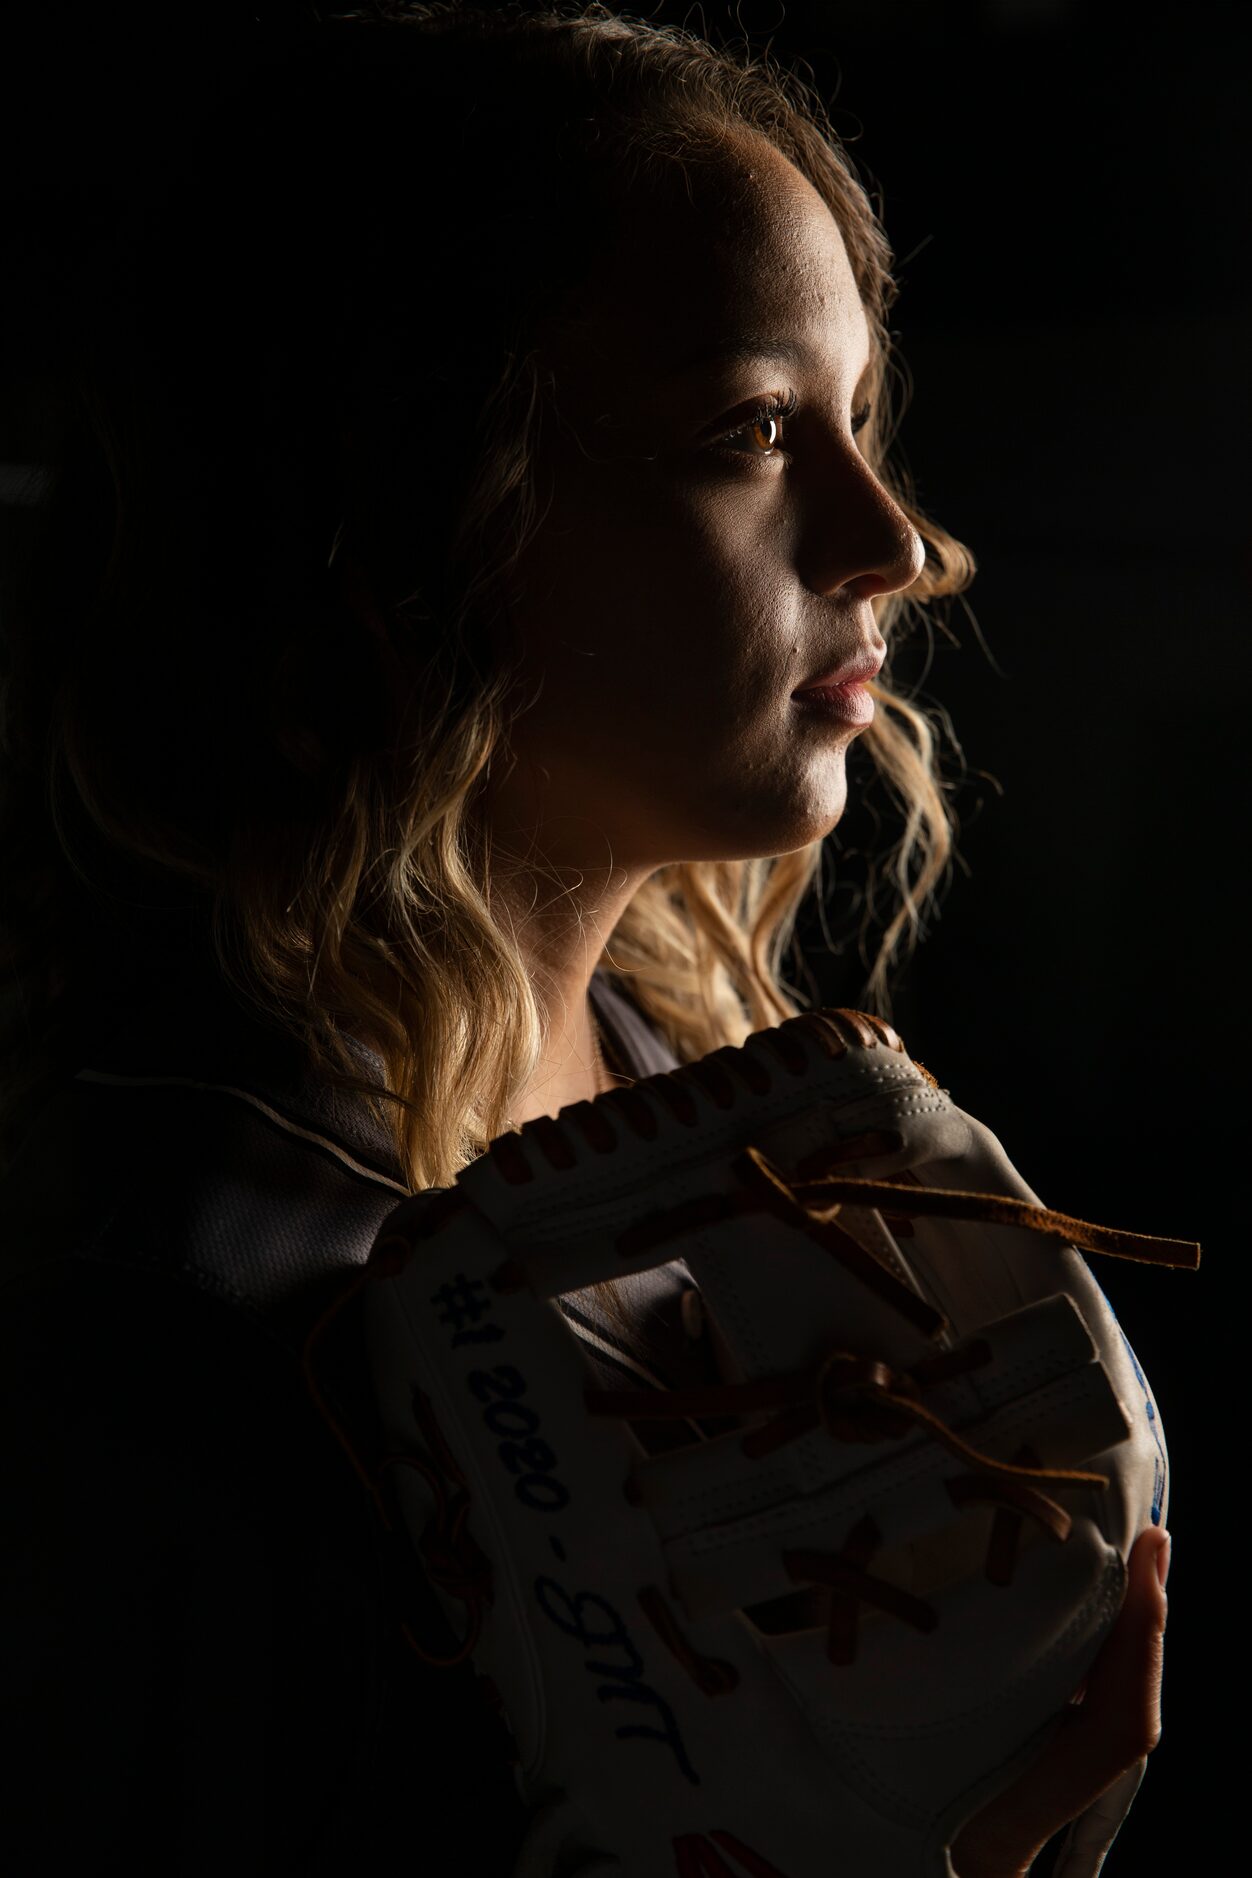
<point x="204" y="1664"/>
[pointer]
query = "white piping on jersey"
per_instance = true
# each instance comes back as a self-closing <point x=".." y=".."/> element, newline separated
<point x="244" y="1095"/>
<point x="348" y="1160"/>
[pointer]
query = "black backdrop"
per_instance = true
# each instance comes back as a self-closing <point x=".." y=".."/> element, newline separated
<point x="1064" y="185"/>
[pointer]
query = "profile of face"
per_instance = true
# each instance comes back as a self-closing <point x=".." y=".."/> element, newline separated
<point x="692" y="568"/>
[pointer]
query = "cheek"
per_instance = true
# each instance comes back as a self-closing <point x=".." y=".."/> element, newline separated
<point x="664" y="596"/>
<point x="665" y="623"/>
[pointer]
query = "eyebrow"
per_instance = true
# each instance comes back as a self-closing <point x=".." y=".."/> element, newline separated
<point x="748" y="349"/>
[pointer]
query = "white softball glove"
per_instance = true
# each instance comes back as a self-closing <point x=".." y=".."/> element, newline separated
<point x="819" y="1642"/>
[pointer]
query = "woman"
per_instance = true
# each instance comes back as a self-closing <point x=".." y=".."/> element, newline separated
<point x="474" y="455"/>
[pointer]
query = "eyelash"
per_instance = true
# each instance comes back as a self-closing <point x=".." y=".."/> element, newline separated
<point x="779" y="407"/>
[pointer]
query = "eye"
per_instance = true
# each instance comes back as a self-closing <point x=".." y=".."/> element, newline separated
<point x="770" y="415"/>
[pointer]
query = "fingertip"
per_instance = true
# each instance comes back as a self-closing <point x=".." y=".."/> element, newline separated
<point x="1134" y="1642"/>
<point x="1147" y="1563"/>
<point x="1121" y="1713"/>
<point x="1162" y="1557"/>
<point x="1154" y="1574"/>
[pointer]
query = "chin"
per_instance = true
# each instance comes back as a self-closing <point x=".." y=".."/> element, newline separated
<point x="801" y="831"/>
<point x="819" y="818"/>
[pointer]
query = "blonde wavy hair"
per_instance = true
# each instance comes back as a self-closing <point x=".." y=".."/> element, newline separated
<point x="248" y="707"/>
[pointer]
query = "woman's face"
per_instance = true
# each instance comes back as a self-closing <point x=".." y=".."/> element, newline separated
<point x="678" y="592"/>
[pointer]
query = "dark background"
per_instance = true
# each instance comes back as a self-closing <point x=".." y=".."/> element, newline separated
<point x="1065" y="186"/>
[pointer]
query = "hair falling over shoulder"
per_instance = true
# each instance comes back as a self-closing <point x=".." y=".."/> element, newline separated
<point x="252" y="673"/>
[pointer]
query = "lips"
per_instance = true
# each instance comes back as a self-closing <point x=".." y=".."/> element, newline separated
<point x="854" y="671"/>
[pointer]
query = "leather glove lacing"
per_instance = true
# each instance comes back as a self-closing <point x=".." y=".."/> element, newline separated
<point x="853" y="1397"/>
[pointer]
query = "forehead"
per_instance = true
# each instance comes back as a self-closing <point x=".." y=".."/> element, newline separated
<point x="739" y="247"/>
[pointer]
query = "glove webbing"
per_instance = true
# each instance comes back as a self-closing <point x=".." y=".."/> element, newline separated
<point x="854" y="1398"/>
<point x="859" y="1399"/>
<point x="846" y="1394"/>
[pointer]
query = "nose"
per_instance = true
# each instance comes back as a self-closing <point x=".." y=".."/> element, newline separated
<point x="863" y="542"/>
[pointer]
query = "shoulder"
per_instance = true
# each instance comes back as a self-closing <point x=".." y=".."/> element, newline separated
<point x="192" y="1149"/>
<point x="166" y="1242"/>
<point x="194" y="1156"/>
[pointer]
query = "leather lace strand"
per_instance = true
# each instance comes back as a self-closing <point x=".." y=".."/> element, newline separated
<point x="997" y="1209"/>
<point x="853" y="1398"/>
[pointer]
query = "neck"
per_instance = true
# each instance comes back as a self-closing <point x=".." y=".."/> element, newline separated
<point x="562" y="886"/>
<point x="577" y="1063"/>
